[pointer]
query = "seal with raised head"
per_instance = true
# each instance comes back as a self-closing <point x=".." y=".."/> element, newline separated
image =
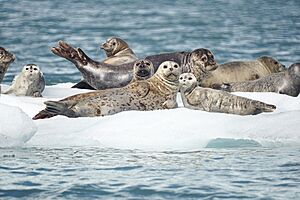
<point x="117" y="51"/>
<point x="210" y="100"/>
<point x="30" y="82"/>
<point x="157" y="92"/>
<point x="5" y="59"/>
<point x="142" y="70"/>
<point x="239" y="71"/>
<point x="102" y="76"/>
<point x="287" y="82"/>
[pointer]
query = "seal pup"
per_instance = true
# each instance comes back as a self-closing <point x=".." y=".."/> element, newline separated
<point x="117" y="51"/>
<point x="102" y="76"/>
<point x="239" y="71"/>
<point x="157" y="92"/>
<point x="210" y="100"/>
<point x="30" y="82"/>
<point x="6" y="58"/>
<point x="287" y="82"/>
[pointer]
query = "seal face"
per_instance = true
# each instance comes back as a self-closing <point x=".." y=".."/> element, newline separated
<point x="287" y="82"/>
<point x="210" y="100"/>
<point x="5" y="59"/>
<point x="157" y="92"/>
<point x="239" y="71"/>
<point x="30" y="82"/>
<point x="143" y="69"/>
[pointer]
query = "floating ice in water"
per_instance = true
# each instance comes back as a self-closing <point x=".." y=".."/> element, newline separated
<point x="15" y="126"/>
<point x="177" y="129"/>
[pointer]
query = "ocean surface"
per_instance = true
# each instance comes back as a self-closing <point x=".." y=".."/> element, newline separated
<point x="232" y="30"/>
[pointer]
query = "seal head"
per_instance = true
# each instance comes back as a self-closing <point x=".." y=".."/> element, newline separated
<point x="113" y="45"/>
<point x="143" y="69"/>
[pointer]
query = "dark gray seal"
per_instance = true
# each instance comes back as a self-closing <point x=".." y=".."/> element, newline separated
<point x="287" y="82"/>
<point x="99" y="75"/>
<point x="6" y="58"/>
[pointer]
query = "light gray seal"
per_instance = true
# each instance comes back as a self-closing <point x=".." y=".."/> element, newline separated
<point x="210" y="100"/>
<point x="102" y="76"/>
<point x="30" y="82"/>
<point x="157" y="92"/>
<point x="6" y="58"/>
<point x="239" y="71"/>
<point x="287" y="82"/>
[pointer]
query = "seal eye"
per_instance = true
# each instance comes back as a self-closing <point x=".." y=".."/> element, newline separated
<point x="181" y="78"/>
<point x="35" y="69"/>
<point x="204" y="59"/>
<point x="27" y="68"/>
<point x="148" y="64"/>
<point x="165" y="67"/>
<point x="276" y="63"/>
<point x="176" y="66"/>
<point x="114" y="43"/>
<point x="190" y="78"/>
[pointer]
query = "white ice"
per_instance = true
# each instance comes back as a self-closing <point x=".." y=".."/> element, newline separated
<point x="177" y="129"/>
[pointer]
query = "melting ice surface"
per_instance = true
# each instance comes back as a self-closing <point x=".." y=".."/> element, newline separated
<point x="177" y="129"/>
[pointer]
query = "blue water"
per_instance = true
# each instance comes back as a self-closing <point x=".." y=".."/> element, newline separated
<point x="233" y="30"/>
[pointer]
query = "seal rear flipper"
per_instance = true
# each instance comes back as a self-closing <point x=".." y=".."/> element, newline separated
<point x="59" y="108"/>
<point x="83" y="85"/>
<point x="264" y="108"/>
<point x="68" y="52"/>
<point x="44" y="114"/>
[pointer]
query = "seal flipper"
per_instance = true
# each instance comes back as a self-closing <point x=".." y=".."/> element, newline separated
<point x="59" y="108"/>
<point x="263" y="107"/>
<point x="68" y="52"/>
<point x="83" y="85"/>
<point x="54" y="108"/>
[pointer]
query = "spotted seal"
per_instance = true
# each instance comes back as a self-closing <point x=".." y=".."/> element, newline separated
<point x="157" y="92"/>
<point x="30" y="82"/>
<point x="210" y="100"/>
<point x="102" y="76"/>
<point x="287" y="82"/>
<point x="239" y="71"/>
<point x="6" y="58"/>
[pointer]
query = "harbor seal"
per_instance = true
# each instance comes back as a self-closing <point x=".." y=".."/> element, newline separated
<point x="6" y="58"/>
<point x="239" y="71"/>
<point x="210" y="100"/>
<point x="117" y="51"/>
<point x="142" y="70"/>
<point x="99" y="75"/>
<point x="30" y="82"/>
<point x="287" y="82"/>
<point x="157" y="92"/>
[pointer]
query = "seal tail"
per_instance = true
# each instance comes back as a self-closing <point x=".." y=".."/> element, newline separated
<point x="68" y="52"/>
<point x="263" y="107"/>
<point x="54" y="108"/>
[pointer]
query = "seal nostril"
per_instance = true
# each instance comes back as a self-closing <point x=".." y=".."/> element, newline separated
<point x="171" y="69"/>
